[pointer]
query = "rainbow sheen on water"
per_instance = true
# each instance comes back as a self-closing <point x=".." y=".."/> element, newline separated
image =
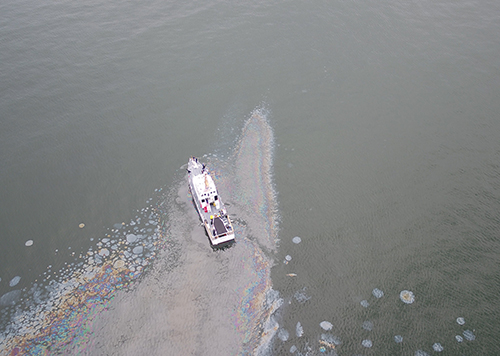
<point x="56" y="312"/>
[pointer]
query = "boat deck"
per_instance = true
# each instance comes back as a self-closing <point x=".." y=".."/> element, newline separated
<point x="215" y="219"/>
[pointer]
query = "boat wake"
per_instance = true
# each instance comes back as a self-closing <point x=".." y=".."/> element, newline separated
<point x="154" y="285"/>
<point x="197" y="302"/>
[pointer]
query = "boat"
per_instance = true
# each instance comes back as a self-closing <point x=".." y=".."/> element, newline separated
<point x="209" y="205"/>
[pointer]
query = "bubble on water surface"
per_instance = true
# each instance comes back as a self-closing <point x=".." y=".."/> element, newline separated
<point x="364" y="303"/>
<point x="104" y="252"/>
<point x="28" y="243"/>
<point x="288" y="258"/>
<point x="299" y="330"/>
<point x="469" y="335"/>
<point x="301" y="296"/>
<point x="131" y="238"/>
<point x="10" y="298"/>
<point x="330" y="340"/>
<point x="138" y="250"/>
<point x="407" y="296"/>
<point x="293" y="349"/>
<point x="377" y="293"/>
<point x="367" y="343"/>
<point x="437" y="347"/>
<point x="283" y="335"/>
<point x="119" y="264"/>
<point x="459" y="338"/>
<point x="398" y="339"/>
<point x="326" y="325"/>
<point x="421" y="353"/>
<point x="368" y="325"/>
<point x="460" y="321"/>
<point x="14" y="281"/>
<point x="296" y="240"/>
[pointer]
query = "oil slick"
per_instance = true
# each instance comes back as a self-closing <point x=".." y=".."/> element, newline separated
<point x="253" y="188"/>
<point x="190" y="300"/>
<point x="53" y="314"/>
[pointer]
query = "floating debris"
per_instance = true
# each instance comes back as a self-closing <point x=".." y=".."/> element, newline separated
<point x="367" y="343"/>
<point x="460" y="321"/>
<point x="368" y="325"/>
<point x="296" y="240"/>
<point x="398" y="339"/>
<point x="377" y="293"/>
<point x="14" y="281"/>
<point x="299" y="330"/>
<point x="293" y="349"/>
<point x="81" y="226"/>
<point x="407" y="296"/>
<point x="288" y="258"/>
<point x="459" y="338"/>
<point x="292" y="275"/>
<point x="364" y="303"/>
<point x="28" y="243"/>
<point x="437" y="347"/>
<point x="469" y="335"/>
<point x="326" y="325"/>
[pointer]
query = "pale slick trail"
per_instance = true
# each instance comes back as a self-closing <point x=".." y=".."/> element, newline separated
<point x="194" y="301"/>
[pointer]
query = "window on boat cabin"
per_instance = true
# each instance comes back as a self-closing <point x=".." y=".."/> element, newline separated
<point x="215" y="197"/>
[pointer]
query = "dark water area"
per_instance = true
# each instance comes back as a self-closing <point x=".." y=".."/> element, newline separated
<point x="377" y="146"/>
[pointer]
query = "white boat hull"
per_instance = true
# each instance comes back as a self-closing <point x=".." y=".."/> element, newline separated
<point x="209" y="206"/>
